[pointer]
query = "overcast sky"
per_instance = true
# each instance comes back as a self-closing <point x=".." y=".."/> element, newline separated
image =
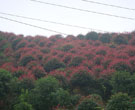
<point x="68" y="16"/>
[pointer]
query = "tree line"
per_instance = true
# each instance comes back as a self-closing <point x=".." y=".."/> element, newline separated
<point x="81" y="92"/>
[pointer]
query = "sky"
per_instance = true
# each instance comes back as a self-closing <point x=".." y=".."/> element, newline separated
<point x="32" y="9"/>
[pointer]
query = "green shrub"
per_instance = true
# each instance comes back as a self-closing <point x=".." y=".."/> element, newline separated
<point x="61" y="97"/>
<point x="119" y="101"/>
<point x="123" y="82"/>
<point x="5" y="80"/>
<point x="92" y="36"/>
<point x="101" y="52"/>
<point x="18" y="73"/>
<point x="120" y="40"/>
<point x="62" y="81"/>
<point x="82" y="81"/>
<point x="75" y="99"/>
<point x="45" y="50"/>
<point x="21" y="45"/>
<point x="5" y="89"/>
<point x="41" y="97"/>
<point x="67" y="59"/>
<point x="105" y="38"/>
<point x="97" y="98"/>
<point x="23" y="106"/>
<point x="98" y="60"/>
<point x="81" y="36"/>
<point x="105" y="87"/>
<point x="122" y="66"/>
<point x="76" y="61"/>
<point x="22" y="102"/>
<point x="131" y="53"/>
<point x="53" y="64"/>
<point x="88" y="104"/>
<point x="15" y="42"/>
<point x="42" y="44"/>
<point x="89" y="56"/>
<point x="26" y="59"/>
<point x="26" y="84"/>
<point x="66" y="48"/>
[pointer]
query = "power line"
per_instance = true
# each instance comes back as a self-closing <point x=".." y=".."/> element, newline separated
<point x="33" y="25"/>
<point x="63" y="6"/>
<point x="53" y="22"/>
<point x="116" y="6"/>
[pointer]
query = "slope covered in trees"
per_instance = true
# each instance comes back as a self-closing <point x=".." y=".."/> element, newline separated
<point x="93" y="71"/>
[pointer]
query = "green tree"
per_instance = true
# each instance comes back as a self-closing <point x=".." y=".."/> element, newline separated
<point x="122" y="66"/>
<point x="101" y="52"/>
<point x="83" y="82"/>
<point x="75" y="99"/>
<point x="105" y="38"/>
<point x="62" y="98"/>
<point x="5" y="79"/>
<point x="80" y="36"/>
<point x="105" y="87"/>
<point x="76" y="61"/>
<point x="120" y="40"/>
<point x="23" y="106"/>
<point x="64" y="83"/>
<point x="22" y="103"/>
<point x="26" y="84"/>
<point x="119" y="101"/>
<point x="26" y="59"/>
<point x="40" y="97"/>
<point x="66" y="48"/>
<point x="53" y="64"/>
<point x="21" y="45"/>
<point x="88" y="104"/>
<point x="67" y="59"/>
<point x="123" y="82"/>
<point x="5" y="88"/>
<point x="15" y="42"/>
<point x="97" y="98"/>
<point x="91" y="36"/>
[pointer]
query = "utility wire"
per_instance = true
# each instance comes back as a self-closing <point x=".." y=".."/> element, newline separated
<point x="116" y="6"/>
<point x="63" y="6"/>
<point x="53" y="22"/>
<point x="33" y="25"/>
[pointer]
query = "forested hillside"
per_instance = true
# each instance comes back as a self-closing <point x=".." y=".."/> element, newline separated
<point x="95" y="71"/>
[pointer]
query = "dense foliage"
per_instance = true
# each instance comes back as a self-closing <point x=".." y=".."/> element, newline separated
<point x="95" y="71"/>
<point x="119" y="101"/>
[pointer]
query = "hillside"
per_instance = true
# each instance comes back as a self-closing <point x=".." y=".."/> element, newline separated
<point x="99" y="55"/>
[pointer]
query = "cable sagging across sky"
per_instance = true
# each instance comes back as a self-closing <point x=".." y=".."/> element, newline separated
<point x="83" y="10"/>
<point x="53" y="22"/>
<point x="33" y="25"/>
<point x="116" y="6"/>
